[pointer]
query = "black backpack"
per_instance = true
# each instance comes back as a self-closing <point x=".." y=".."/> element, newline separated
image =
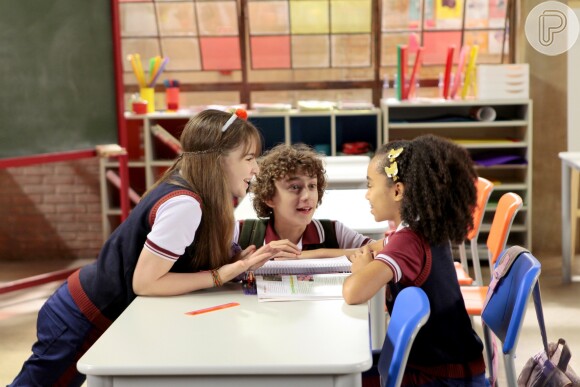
<point x="253" y="231"/>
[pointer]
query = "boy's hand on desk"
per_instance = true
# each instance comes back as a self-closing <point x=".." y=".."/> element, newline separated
<point x="286" y="249"/>
<point x="325" y="253"/>
<point x="361" y="258"/>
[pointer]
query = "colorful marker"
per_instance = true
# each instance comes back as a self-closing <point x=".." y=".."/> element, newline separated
<point x="212" y="308"/>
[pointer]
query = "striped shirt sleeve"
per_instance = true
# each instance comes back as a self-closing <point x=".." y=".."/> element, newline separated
<point x="174" y="227"/>
<point x="404" y="253"/>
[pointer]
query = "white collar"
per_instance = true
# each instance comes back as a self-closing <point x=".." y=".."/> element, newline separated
<point x="401" y="226"/>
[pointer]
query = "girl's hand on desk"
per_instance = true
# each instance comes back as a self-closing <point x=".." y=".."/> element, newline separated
<point x="247" y="260"/>
<point x="251" y="259"/>
<point x="361" y="258"/>
<point x="368" y="276"/>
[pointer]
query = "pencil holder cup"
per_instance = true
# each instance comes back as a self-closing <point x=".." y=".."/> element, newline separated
<point x="148" y="94"/>
<point x="139" y="107"/>
<point x="172" y="98"/>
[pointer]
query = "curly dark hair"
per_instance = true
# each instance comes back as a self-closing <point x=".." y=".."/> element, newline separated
<point x="440" y="187"/>
<point x="282" y="161"/>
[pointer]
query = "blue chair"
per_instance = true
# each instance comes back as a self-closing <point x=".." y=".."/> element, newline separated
<point x="505" y="311"/>
<point x="410" y="312"/>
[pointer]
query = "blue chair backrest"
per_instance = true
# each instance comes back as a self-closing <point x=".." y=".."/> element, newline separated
<point x="505" y="311"/>
<point x="410" y="312"/>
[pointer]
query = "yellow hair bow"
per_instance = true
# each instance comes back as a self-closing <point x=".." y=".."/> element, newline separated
<point x="392" y="170"/>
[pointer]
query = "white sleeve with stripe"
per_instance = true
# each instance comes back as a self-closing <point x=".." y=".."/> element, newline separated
<point x="174" y="227"/>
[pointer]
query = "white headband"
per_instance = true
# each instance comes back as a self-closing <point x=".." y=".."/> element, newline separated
<point x="229" y="122"/>
<point x="238" y="113"/>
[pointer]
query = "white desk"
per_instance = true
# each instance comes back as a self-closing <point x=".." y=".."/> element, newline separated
<point x="346" y="172"/>
<point x="303" y="343"/>
<point x="351" y="208"/>
<point x="569" y="160"/>
<point x="346" y="205"/>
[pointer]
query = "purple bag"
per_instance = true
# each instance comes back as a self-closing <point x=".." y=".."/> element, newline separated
<point x="549" y="368"/>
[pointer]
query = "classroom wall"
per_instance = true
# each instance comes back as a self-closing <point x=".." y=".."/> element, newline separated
<point x="50" y="211"/>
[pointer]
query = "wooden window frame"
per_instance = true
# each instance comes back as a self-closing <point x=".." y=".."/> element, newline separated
<point x="245" y="88"/>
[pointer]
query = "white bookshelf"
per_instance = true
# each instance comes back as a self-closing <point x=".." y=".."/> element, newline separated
<point x="510" y="133"/>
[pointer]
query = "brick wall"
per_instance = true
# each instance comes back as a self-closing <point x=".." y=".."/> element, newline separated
<point x="50" y="211"/>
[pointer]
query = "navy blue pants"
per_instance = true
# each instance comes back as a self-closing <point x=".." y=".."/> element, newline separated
<point x="63" y="335"/>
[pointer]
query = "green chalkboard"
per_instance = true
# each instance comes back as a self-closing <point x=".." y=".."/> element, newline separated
<point x="57" y="85"/>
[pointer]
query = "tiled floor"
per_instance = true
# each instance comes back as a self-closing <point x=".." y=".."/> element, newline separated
<point x="18" y="315"/>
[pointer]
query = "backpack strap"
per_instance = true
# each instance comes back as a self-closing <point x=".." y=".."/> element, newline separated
<point x="252" y="232"/>
<point x="502" y="267"/>
<point x="330" y="241"/>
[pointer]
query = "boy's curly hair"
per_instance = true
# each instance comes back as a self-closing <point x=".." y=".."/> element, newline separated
<point x="284" y="161"/>
<point x="440" y="187"/>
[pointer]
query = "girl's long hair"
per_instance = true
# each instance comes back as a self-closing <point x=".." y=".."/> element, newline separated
<point x="201" y="169"/>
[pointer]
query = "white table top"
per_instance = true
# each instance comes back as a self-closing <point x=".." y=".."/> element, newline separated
<point x="572" y="158"/>
<point x="348" y="206"/>
<point x="154" y="336"/>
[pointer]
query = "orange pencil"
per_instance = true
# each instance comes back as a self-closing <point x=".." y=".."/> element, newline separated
<point x="447" y="77"/>
<point x="416" y="67"/>
<point x="212" y="308"/>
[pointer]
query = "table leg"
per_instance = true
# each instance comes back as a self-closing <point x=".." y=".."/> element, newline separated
<point x="377" y="319"/>
<point x="566" y="241"/>
<point x="574" y="212"/>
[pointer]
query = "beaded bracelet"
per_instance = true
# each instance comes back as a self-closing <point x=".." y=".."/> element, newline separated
<point x="217" y="281"/>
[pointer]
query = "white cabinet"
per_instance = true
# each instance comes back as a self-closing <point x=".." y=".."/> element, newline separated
<point x="501" y="148"/>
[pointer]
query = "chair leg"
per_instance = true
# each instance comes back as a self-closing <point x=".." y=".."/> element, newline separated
<point x="510" y="370"/>
<point x="476" y="263"/>
<point x="489" y="353"/>
<point x="463" y="257"/>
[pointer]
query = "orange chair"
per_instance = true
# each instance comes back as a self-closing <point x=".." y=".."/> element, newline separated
<point x="484" y="188"/>
<point x="508" y="206"/>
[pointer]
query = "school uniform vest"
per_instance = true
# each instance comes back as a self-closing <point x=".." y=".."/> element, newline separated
<point x="447" y="337"/>
<point x="103" y="289"/>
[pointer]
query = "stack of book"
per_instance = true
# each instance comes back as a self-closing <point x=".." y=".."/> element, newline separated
<point x="302" y="279"/>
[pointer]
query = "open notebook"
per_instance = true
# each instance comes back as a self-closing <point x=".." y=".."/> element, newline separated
<point x="280" y="287"/>
<point x="306" y="266"/>
<point x="302" y="279"/>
